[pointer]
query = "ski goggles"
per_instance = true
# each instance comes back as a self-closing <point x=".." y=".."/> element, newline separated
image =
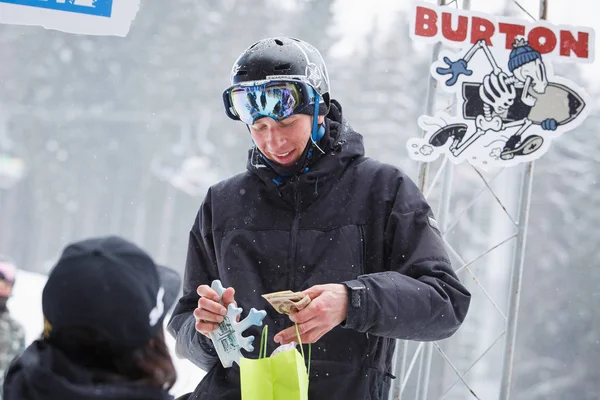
<point x="275" y="99"/>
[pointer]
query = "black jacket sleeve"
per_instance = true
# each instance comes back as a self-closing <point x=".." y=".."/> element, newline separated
<point x="418" y="297"/>
<point x="200" y="269"/>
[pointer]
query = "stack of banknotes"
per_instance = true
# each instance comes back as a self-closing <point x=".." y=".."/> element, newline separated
<point x="287" y="301"/>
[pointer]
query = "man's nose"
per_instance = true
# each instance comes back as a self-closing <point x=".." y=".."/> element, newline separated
<point x="274" y="138"/>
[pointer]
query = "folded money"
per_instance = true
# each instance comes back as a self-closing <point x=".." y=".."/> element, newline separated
<point x="286" y="301"/>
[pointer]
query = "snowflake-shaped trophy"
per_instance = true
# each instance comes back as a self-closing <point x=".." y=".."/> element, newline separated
<point x="227" y="338"/>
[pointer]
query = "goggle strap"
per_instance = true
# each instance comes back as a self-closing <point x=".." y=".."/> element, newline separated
<point x="315" y="127"/>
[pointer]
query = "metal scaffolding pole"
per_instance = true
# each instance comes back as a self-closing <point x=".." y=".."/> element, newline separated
<point x="430" y="106"/>
<point x="442" y="216"/>
<point x="400" y="362"/>
<point x="517" y="270"/>
<point x="516" y="282"/>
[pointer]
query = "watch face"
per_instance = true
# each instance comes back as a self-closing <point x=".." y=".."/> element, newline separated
<point x="356" y="296"/>
<point x="355" y="299"/>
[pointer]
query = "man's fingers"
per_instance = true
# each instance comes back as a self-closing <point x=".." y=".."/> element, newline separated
<point x="210" y="311"/>
<point x="205" y="327"/>
<point x="212" y="306"/>
<point x="314" y="291"/>
<point x="310" y="336"/>
<point x="206" y="321"/>
<point x="285" y="336"/>
<point x="314" y="336"/>
<point x="289" y="335"/>
<point x="308" y="313"/>
<point x="301" y="317"/>
<point x="228" y="296"/>
<point x="204" y="315"/>
<point x="206" y="291"/>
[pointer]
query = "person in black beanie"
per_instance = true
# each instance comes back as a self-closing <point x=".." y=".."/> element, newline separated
<point x="104" y="305"/>
<point x="12" y="334"/>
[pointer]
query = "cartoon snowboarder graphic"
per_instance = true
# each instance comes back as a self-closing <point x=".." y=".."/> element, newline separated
<point x="518" y="99"/>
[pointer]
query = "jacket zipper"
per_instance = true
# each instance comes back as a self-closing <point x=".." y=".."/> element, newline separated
<point x="363" y="256"/>
<point x="294" y="241"/>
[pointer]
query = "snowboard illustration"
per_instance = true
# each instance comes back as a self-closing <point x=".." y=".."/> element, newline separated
<point x="505" y="115"/>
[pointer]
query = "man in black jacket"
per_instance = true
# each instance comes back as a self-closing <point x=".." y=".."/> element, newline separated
<point x="313" y="214"/>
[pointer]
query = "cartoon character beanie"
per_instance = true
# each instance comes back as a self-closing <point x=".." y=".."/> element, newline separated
<point x="521" y="54"/>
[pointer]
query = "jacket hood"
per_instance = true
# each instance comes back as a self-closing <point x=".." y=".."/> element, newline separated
<point x="340" y="146"/>
<point x="45" y="373"/>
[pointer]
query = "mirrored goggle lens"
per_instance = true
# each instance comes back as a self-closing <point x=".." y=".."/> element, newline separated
<point x="277" y="100"/>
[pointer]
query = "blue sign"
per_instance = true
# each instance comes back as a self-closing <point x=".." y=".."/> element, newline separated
<point x="101" y="8"/>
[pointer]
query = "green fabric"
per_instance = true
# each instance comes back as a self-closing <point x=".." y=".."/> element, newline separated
<point x="281" y="377"/>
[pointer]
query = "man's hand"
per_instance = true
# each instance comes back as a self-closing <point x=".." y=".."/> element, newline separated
<point x="327" y="310"/>
<point x="210" y="312"/>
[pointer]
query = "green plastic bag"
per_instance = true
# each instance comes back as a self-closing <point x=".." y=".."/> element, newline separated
<point x="283" y="376"/>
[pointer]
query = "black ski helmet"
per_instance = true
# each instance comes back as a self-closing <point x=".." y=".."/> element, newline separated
<point x="284" y="58"/>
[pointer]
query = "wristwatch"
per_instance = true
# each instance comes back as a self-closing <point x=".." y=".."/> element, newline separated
<point x="356" y="293"/>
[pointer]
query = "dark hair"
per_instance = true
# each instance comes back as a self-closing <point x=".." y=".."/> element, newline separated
<point x="149" y="365"/>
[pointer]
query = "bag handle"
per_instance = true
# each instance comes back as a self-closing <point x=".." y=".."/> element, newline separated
<point x="302" y="348"/>
<point x="262" y="352"/>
